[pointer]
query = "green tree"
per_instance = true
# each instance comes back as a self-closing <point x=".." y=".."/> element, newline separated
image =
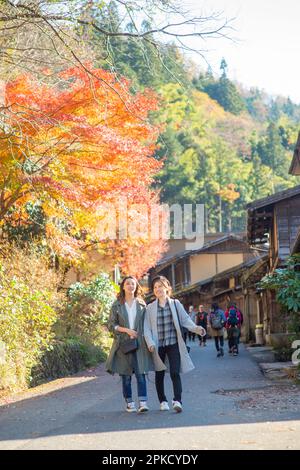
<point x="223" y="67"/>
<point x="274" y="112"/>
<point x="225" y="93"/>
<point x="271" y="151"/>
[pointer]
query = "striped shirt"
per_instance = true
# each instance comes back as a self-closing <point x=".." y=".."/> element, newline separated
<point x="167" y="334"/>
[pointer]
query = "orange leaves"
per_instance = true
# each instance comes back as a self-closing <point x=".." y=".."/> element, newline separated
<point x="229" y="193"/>
<point x="75" y="144"/>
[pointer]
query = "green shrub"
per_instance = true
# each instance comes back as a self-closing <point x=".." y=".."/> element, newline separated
<point x="65" y="358"/>
<point x="87" y="309"/>
<point x="283" y="354"/>
<point x="45" y="334"/>
<point x="26" y="322"/>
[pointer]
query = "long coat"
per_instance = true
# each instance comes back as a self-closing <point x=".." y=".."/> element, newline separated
<point x="126" y="364"/>
<point x="151" y="333"/>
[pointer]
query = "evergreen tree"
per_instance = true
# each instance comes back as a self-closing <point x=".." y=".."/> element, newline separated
<point x="274" y="112"/>
<point x="225" y="92"/>
<point x="289" y="108"/>
<point x="223" y="67"/>
<point x="271" y="151"/>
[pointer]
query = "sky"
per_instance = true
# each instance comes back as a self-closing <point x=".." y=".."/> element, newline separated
<point x="266" y="52"/>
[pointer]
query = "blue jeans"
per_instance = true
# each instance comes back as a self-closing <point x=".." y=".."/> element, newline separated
<point x="141" y="387"/>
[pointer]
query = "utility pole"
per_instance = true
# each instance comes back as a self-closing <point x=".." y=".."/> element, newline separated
<point x="220" y="213"/>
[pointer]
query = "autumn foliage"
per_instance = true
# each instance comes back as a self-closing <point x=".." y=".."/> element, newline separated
<point x="74" y="145"/>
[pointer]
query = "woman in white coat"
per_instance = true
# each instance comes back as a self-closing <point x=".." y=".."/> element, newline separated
<point x="164" y="320"/>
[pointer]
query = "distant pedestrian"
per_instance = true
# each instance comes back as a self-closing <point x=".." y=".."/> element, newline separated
<point x="233" y="335"/>
<point x="164" y="320"/>
<point x="217" y="320"/>
<point x="192" y="314"/>
<point x="234" y="320"/>
<point x="201" y="319"/>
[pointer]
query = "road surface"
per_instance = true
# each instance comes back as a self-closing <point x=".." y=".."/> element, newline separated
<point x="227" y="404"/>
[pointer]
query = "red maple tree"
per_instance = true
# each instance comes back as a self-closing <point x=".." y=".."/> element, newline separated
<point x="73" y="145"/>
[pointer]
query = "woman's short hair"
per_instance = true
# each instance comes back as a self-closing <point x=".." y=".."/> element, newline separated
<point x="165" y="282"/>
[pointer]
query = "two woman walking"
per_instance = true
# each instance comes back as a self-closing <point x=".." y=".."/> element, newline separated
<point x="157" y="331"/>
<point x="126" y="322"/>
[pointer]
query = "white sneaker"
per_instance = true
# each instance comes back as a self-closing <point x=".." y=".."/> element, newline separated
<point x="177" y="406"/>
<point x="131" y="407"/>
<point x="164" y="406"/>
<point x="143" y="407"/>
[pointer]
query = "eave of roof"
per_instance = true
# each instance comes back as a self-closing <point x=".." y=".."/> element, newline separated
<point x="224" y="274"/>
<point x="183" y="254"/>
<point x="270" y="200"/>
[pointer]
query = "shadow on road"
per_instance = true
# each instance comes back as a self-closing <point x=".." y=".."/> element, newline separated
<point x="96" y="405"/>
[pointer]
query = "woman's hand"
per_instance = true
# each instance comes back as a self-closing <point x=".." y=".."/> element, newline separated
<point x="201" y="331"/>
<point x="128" y="331"/>
<point x="131" y="333"/>
<point x="152" y="349"/>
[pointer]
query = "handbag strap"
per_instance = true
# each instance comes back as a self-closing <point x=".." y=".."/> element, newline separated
<point x="177" y="314"/>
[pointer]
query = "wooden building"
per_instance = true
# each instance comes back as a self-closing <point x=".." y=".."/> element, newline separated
<point x="191" y="266"/>
<point x="237" y="284"/>
<point x="274" y="222"/>
<point x="296" y="245"/>
<point x="295" y="170"/>
<point x="208" y="274"/>
<point x="295" y="165"/>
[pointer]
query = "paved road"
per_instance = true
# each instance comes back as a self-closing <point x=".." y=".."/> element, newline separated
<point x="87" y="412"/>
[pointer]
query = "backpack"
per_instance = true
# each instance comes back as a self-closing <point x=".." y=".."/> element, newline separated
<point x="216" y="320"/>
<point x="233" y="319"/>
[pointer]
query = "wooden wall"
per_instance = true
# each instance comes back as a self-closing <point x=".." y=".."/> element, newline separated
<point x="287" y="214"/>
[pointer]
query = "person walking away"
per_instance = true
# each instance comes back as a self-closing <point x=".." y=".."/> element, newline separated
<point x="233" y="326"/>
<point x="216" y="321"/>
<point x="201" y="320"/>
<point x="126" y="323"/>
<point x="233" y="334"/>
<point x="163" y="322"/>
